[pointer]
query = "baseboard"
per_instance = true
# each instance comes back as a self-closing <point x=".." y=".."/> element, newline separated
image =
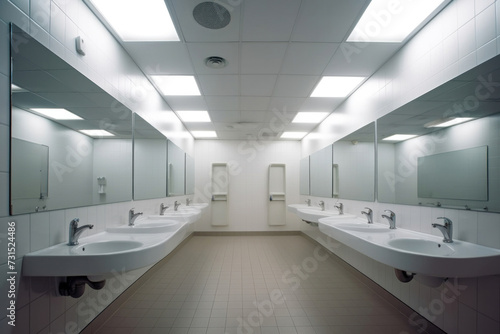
<point x="246" y="233"/>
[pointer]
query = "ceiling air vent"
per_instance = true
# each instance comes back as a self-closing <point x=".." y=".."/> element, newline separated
<point x="215" y="62"/>
<point x="211" y="15"/>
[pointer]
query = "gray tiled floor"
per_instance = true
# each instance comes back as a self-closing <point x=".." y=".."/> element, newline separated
<point x="254" y="285"/>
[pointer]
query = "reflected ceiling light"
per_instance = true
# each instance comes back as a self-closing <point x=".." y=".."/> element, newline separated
<point x="16" y="89"/>
<point x="389" y="21"/>
<point x="132" y="21"/>
<point x="194" y="115"/>
<point x="56" y="113"/>
<point x="399" y="137"/>
<point x="204" y="134"/>
<point x="443" y="123"/>
<point x="293" y="135"/>
<point x="309" y="117"/>
<point x="176" y="85"/>
<point x="336" y="86"/>
<point x="97" y="133"/>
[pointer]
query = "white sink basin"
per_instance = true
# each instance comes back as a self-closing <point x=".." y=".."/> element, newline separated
<point x="413" y="251"/>
<point x="313" y="213"/>
<point x="102" y="254"/>
<point x="156" y="224"/>
<point x="106" y="247"/>
<point x="422" y="246"/>
<point x="199" y="206"/>
<point x="185" y="215"/>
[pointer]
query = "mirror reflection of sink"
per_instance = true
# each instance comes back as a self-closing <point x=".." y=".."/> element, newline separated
<point x="106" y="247"/>
<point x="422" y="246"/>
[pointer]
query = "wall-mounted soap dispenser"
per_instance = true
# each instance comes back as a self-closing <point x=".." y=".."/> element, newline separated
<point x="101" y="182"/>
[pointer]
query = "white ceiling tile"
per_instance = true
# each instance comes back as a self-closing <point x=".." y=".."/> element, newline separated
<point x="161" y="57"/>
<point x="321" y="104"/>
<point x="253" y="116"/>
<point x="326" y="20"/>
<point x="262" y="58"/>
<point x="200" y="126"/>
<point x="265" y="20"/>
<point x="254" y="103"/>
<point x="219" y="84"/>
<point x="222" y="102"/>
<point x="257" y="85"/>
<point x="229" y="116"/>
<point x="191" y="31"/>
<point x="360" y="59"/>
<point x="308" y="58"/>
<point x="286" y="104"/>
<point x="200" y="51"/>
<point x="186" y="102"/>
<point x="295" y="85"/>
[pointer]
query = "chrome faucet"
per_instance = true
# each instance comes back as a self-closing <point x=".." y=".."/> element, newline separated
<point x="322" y="205"/>
<point x="446" y="229"/>
<point x="369" y="215"/>
<point x="176" y="205"/>
<point x="340" y="206"/>
<point x="188" y="201"/>
<point x="75" y="231"/>
<point x="132" y="216"/>
<point x="163" y="207"/>
<point x="308" y="202"/>
<point x="391" y="218"/>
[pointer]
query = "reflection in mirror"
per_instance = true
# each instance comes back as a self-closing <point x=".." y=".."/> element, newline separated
<point x="453" y="166"/>
<point x="304" y="176"/>
<point x="320" y="169"/>
<point x="150" y="161"/>
<point x="354" y="165"/>
<point x="83" y="168"/>
<point x="189" y="175"/>
<point x="175" y="170"/>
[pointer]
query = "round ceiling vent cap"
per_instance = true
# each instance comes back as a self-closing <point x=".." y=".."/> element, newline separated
<point x="215" y="62"/>
<point x="211" y="15"/>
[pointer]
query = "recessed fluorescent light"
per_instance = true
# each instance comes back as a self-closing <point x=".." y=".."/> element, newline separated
<point x="132" y="20"/>
<point x="309" y="117"/>
<point x="193" y="115"/>
<point x="204" y="134"/>
<point x="336" y="86"/>
<point x="398" y="137"/>
<point x="97" y="133"/>
<point x="56" y="113"/>
<point x="442" y="123"/>
<point x="392" y="21"/>
<point x="172" y="85"/>
<point x="293" y="135"/>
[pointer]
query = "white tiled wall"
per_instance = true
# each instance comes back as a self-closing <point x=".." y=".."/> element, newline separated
<point x="56" y="23"/>
<point x="465" y="34"/>
<point x="248" y="180"/>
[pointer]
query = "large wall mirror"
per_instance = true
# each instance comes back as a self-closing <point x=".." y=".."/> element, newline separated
<point x="304" y="176"/>
<point x="176" y="170"/>
<point x="354" y="165"/>
<point x="189" y="175"/>
<point x="150" y="161"/>
<point x="75" y="138"/>
<point x="445" y="163"/>
<point x="320" y="172"/>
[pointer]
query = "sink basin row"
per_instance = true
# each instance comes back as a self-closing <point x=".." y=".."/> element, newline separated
<point x="119" y="248"/>
<point x="404" y="249"/>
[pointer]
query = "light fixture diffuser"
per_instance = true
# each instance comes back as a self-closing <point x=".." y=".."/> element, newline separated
<point x="204" y="134"/>
<point x="389" y="21"/>
<point x="56" y="113"/>
<point x="335" y="86"/>
<point x="309" y="117"/>
<point x="399" y="137"/>
<point x="176" y="85"/>
<point x="293" y="135"/>
<point x="443" y="123"/>
<point x="192" y="116"/>
<point x="134" y="21"/>
<point x="97" y="133"/>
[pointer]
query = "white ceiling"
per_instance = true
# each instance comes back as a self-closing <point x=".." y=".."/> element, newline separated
<point x="276" y="52"/>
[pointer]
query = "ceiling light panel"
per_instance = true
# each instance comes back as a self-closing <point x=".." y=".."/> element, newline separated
<point x="133" y="21"/>
<point x="293" y="135"/>
<point x="334" y="86"/>
<point x="56" y="113"/>
<point x="204" y="134"/>
<point x="399" y="137"/>
<point x="389" y="21"/>
<point x="176" y="85"/>
<point x="443" y="123"/>
<point x="309" y="117"/>
<point x="194" y="116"/>
<point x="97" y="133"/>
